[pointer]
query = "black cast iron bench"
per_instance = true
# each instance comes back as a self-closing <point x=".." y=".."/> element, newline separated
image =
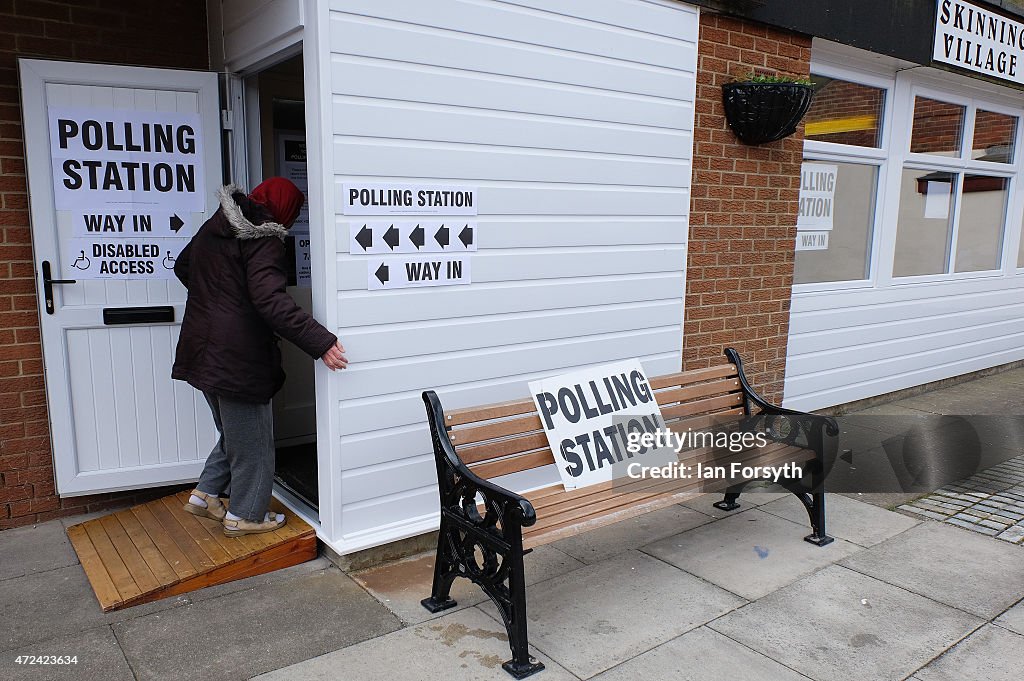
<point x="486" y="529"/>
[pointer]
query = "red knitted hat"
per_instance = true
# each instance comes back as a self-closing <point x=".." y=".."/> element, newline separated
<point x="279" y="196"/>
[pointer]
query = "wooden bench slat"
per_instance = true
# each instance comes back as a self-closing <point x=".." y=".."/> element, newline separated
<point x="673" y="395"/>
<point x="695" y="376"/>
<point x="711" y="404"/>
<point x="458" y="417"/>
<point x="496" y="449"/>
<point x="514" y="464"/>
<point x="495" y="429"/>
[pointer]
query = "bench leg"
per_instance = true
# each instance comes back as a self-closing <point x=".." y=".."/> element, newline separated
<point x="814" y="503"/>
<point x="445" y="572"/>
<point x="514" y="613"/>
<point x="729" y="503"/>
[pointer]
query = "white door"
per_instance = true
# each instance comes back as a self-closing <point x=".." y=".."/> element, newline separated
<point x="123" y="166"/>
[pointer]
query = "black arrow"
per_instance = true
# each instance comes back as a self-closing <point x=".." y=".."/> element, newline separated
<point x="466" y="236"/>
<point x="365" y="237"/>
<point x="382" y="273"/>
<point x="391" y="237"/>
<point x="442" y="236"/>
<point x="416" y="237"/>
<point x="176" y="223"/>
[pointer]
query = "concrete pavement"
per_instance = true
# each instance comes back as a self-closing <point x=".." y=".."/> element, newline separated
<point x="689" y="592"/>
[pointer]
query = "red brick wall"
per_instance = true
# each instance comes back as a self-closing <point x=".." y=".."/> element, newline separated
<point x="142" y="32"/>
<point x="743" y="210"/>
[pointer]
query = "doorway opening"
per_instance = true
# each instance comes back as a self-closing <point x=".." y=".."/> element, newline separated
<point x="275" y="95"/>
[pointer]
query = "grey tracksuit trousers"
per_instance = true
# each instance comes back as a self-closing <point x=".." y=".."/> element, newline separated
<point x="241" y="464"/>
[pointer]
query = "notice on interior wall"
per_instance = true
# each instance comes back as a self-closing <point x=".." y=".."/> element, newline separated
<point x="377" y="198"/>
<point x="936" y="200"/>
<point x="110" y="160"/>
<point x="291" y="165"/>
<point x="122" y="258"/>
<point x="817" y="196"/>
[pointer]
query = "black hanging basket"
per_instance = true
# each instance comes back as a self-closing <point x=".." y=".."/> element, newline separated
<point x="765" y="112"/>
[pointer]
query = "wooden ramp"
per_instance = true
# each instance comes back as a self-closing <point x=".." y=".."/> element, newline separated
<point x="156" y="550"/>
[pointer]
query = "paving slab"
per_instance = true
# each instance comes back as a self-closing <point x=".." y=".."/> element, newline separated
<point x="699" y="655"/>
<point x="466" y="645"/>
<point x="611" y="540"/>
<point x="602" y="615"/>
<point x="98" y="658"/>
<point x="35" y="548"/>
<point x="402" y="584"/>
<point x="750" y="554"/>
<point x="981" y="575"/>
<point x="250" y="632"/>
<point x="1013" y="619"/>
<point x="839" y="624"/>
<point x="55" y="603"/>
<point x="990" y="653"/>
<point x="845" y="518"/>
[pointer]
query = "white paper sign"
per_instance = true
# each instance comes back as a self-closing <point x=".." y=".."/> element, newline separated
<point x="113" y="159"/>
<point x="817" y="196"/>
<point x="122" y="258"/>
<point x="412" y="236"/>
<point x="291" y="154"/>
<point x="588" y="416"/>
<point x="374" y="198"/>
<point x="119" y="223"/>
<point x="413" y="271"/>
<point x="303" y="271"/>
<point x="812" y="241"/>
<point x="936" y="200"/>
<point x="978" y="39"/>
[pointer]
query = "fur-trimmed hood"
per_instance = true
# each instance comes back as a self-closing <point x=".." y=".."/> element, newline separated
<point x="240" y="212"/>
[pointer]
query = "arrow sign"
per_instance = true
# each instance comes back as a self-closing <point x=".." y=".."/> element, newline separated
<point x="391" y="237"/>
<point x="410" y="271"/>
<point x="441" y="237"/>
<point x="416" y="237"/>
<point x="382" y="273"/>
<point x="466" y="236"/>
<point x="365" y="237"/>
<point x="176" y="223"/>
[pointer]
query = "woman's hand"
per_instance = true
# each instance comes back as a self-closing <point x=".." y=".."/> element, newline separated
<point x="334" y="358"/>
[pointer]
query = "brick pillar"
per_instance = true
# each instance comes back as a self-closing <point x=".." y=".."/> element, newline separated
<point x="743" y="210"/>
<point x="168" y="33"/>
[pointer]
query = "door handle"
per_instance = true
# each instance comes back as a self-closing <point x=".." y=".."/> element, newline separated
<point x="48" y="283"/>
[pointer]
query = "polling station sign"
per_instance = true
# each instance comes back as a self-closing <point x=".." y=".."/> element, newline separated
<point x="590" y="416"/>
<point x="120" y="160"/>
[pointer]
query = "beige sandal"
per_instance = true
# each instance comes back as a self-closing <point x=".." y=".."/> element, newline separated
<point x="240" y="527"/>
<point x="214" y="509"/>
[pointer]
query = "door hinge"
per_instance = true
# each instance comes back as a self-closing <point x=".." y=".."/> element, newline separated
<point x="227" y="119"/>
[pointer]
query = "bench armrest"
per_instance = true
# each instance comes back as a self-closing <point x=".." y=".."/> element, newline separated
<point x="449" y="465"/>
<point x="818" y="426"/>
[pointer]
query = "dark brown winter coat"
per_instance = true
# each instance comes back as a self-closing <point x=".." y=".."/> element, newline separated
<point x="234" y="270"/>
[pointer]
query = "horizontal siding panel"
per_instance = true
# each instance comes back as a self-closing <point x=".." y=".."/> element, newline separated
<point x="952" y="337"/>
<point x="357" y="308"/>
<point x="379" y="447"/>
<point x="391" y="341"/>
<point x="531" y="232"/>
<point x="405" y="42"/>
<point x="535" y="199"/>
<point x="398" y="81"/>
<point x="669" y="19"/>
<point x="433" y="123"/>
<point x="842" y="339"/>
<point x="904" y="293"/>
<point x="518" y="266"/>
<point x="523" y="25"/>
<point x="370" y="482"/>
<point x="433" y="160"/>
<point x="367" y="379"/>
<point x="404" y="409"/>
<point x="380" y="513"/>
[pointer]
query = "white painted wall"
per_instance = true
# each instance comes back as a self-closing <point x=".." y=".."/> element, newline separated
<point x="853" y="340"/>
<point x="574" y="120"/>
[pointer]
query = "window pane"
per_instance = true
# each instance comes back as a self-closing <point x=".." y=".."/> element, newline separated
<point x="845" y="113"/>
<point x="938" y="127"/>
<point x="924" y="223"/>
<point x="982" y="213"/>
<point x="994" y="137"/>
<point x="849" y="243"/>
